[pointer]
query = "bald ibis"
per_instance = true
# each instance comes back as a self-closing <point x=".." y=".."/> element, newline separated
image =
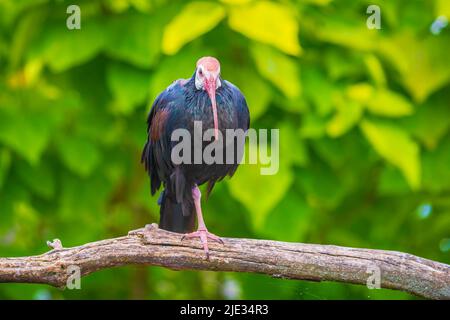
<point x="218" y="105"/>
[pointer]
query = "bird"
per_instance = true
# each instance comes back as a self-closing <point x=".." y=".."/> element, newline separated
<point x="218" y="105"/>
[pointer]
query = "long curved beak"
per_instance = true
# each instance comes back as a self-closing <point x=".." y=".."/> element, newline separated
<point x="210" y="86"/>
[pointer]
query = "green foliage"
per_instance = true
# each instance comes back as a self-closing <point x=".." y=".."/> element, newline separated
<point x="181" y="30"/>
<point x="364" y="118"/>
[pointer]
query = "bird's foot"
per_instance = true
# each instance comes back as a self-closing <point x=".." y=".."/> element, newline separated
<point x="204" y="235"/>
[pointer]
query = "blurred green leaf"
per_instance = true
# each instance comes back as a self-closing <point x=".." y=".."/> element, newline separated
<point x="442" y="8"/>
<point x="342" y="64"/>
<point x="143" y="47"/>
<point x="26" y="220"/>
<point x="423" y="67"/>
<point x="380" y="101"/>
<point x="81" y="208"/>
<point x="39" y="179"/>
<point x="130" y="87"/>
<point x="318" y="89"/>
<point x="322" y="187"/>
<point x="124" y="5"/>
<point x="392" y="182"/>
<point x="397" y="147"/>
<point x="339" y="152"/>
<point x="9" y="197"/>
<point x="436" y="175"/>
<point x="195" y="19"/>
<point x="360" y="92"/>
<point x="348" y="114"/>
<point x="62" y="49"/>
<point x="28" y="136"/>
<point x="27" y="29"/>
<point x="259" y="193"/>
<point x="171" y="69"/>
<point x="10" y="9"/>
<point x="267" y="22"/>
<point x="292" y="148"/>
<point x="256" y="91"/>
<point x="236" y="1"/>
<point x="375" y="70"/>
<point x="351" y="33"/>
<point x="430" y="122"/>
<point x="312" y="126"/>
<point x="390" y="104"/>
<point x="281" y="70"/>
<point x="5" y="163"/>
<point x="290" y="219"/>
<point x="79" y="154"/>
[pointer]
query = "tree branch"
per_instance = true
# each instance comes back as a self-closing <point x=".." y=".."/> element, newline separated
<point x="153" y="246"/>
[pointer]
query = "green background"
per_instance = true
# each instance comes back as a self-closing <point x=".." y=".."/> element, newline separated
<point x="363" y="114"/>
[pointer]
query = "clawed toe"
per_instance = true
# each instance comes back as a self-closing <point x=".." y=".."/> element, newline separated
<point x="204" y="235"/>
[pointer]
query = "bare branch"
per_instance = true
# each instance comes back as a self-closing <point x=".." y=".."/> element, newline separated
<point x="153" y="246"/>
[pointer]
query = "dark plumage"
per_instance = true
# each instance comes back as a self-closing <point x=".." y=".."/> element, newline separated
<point x="182" y="103"/>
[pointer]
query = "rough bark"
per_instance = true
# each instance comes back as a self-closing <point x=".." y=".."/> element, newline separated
<point x="153" y="246"/>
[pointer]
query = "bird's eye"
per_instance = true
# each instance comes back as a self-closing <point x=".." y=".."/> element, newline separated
<point x="200" y="72"/>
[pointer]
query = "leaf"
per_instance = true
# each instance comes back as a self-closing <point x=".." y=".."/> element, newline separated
<point x="321" y="186"/>
<point x="346" y="117"/>
<point x="5" y="164"/>
<point x="436" y="173"/>
<point x="392" y="182"/>
<point x="62" y="49"/>
<point x="39" y="179"/>
<point x="97" y="125"/>
<point x="317" y="2"/>
<point x="312" y="126"/>
<point x="26" y="219"/>
<point x="442" y="8"/>
<point x="15" y="193"/>
<point x="430" y="122"/>
<point x="130" y="87"/>
<point x="256" y="91"/>
<point x="292" y="149"/>
<point x="375" y="69"/>
<point x="381" y="101"/>
<point x="172" y="68"/>
<point x="259" y="193"/>
<point x="28" y="136"/>
<point x="82" y="202"/>
<point x="267" y="22"/>
<point x="290" y="219"/>
<point x="360" y="92"/>
<point x="79" y="154"/>
<point x="257" y="94"/>
<point x="124" y="5"/>
<point x="195" y="19"/>
<point x="397" y="147"/>
<point x="318" y="89"/>
<point x="142" y="48"/>
<point x="390" y="104"/>
<point x="281" y="70"/>
<point x="28" y="26"/>
<point x="340" y="65"/>
<point x="10" y="10"/>
<point x="351" y="33"/>
<point x="423" y="67"/>
<point x="339" y="152"/>
<point x="236" y="1"/>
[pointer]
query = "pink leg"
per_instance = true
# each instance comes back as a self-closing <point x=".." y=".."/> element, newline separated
<point x="202" y="232"/>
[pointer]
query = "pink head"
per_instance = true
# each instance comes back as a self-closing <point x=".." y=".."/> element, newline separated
<point x="207" y="77"/>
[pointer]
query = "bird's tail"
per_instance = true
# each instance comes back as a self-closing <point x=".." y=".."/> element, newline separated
<point x="172" y="217"/>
